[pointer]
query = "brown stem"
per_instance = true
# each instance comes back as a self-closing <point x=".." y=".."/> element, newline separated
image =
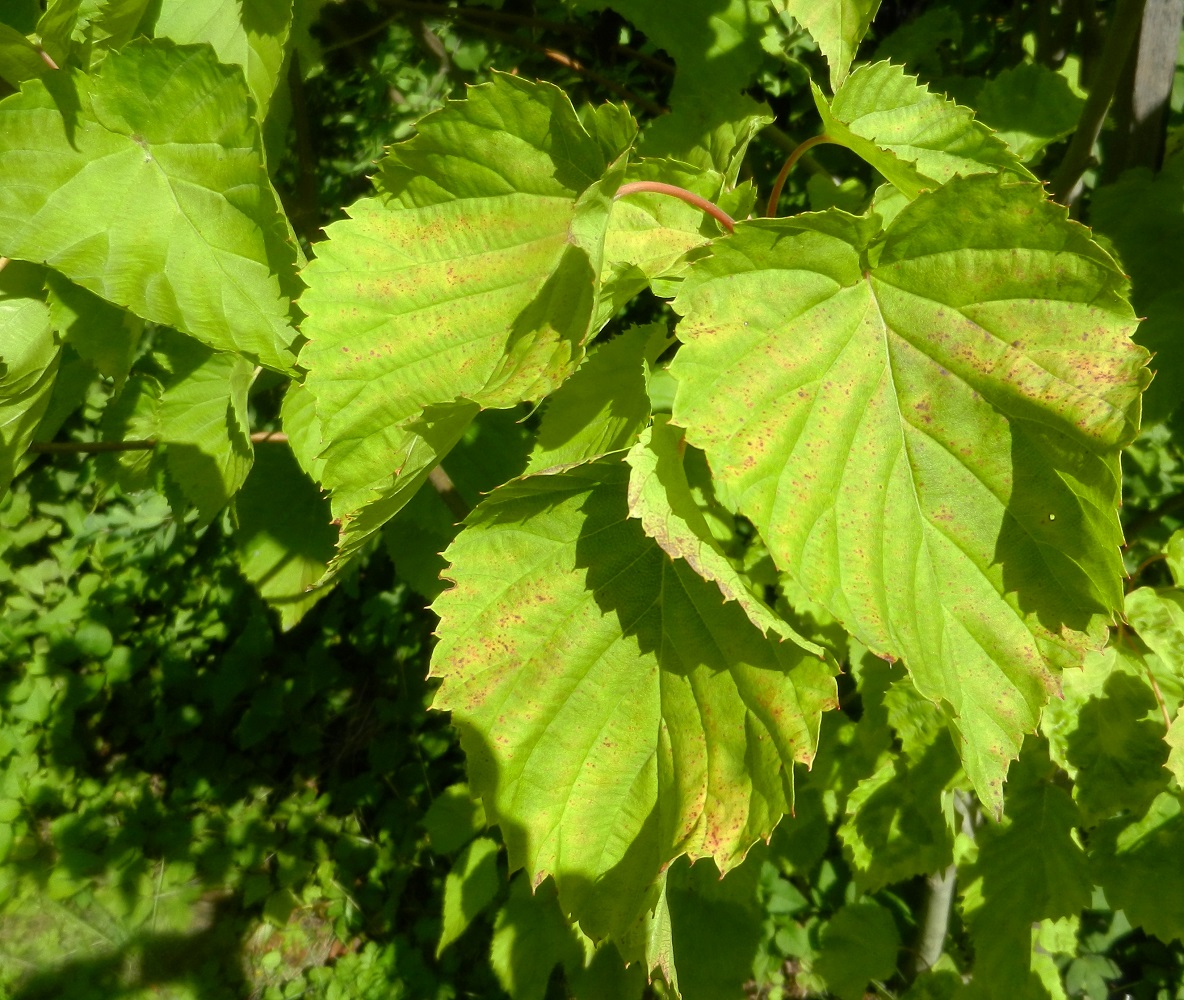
<point x="442" y="483"/>
<point x="47" y="59"/>
<point x="1163" y="708"/>
<point x="682" y="194"/>
<point x="99" y="447"/>
<point x="1121" y="37"/>
<point x="653" y="107"/>
<point x="787" y="166"/>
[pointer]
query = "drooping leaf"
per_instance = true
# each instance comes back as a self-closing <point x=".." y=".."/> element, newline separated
<point x="1130" y="860"/>
<point x="169" y="215"/>
<point x="859" y="944"/>
<point x="576" y="656"/>
<point x="603" y="407"/>
<point x="843" y="395"/>
<point x="283" y="540"/>
<point x="531" y="937"/>
<point x="204" y="422"/>
<point x="660" y="497"/>
<point x="1029" y="106"/>
<point x="837" y="27"/>
<point x="246" y="33"/>
<point x="1029" y="868"/>
<point x="473" y="276"/>
<point x="298" y="417"/>
<point x="103" y="334"/>
<point x="469" y="888"/>
<point x="917" y="139"/>
<point x="29" y="357"/>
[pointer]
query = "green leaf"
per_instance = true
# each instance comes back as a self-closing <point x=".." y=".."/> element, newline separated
<point x="469" y="887"/>
<point x="895" y="826"/>
<point x="298" y="416"/>
<point x="1029" y="868"/>
<point x="453" y="818"/>
<point x="56" y="26"/>
<point x="247" y="33"/>
<point x="472" y="277"/>
<point x="1175" y="740"/>
<point x="109" y="24"/>
<point x="576" y="656"/>
<point x="1108" y="733"/>
<point x="492" y="451"/>
<point x="915" y="138"/>
<point x="531" y="937"/>
<point x="204" y="423"/>
<point x="716" y="926"/>
<point x="603" y="407"/>
<point x="859" y="944"/>
<point x="1134" y="862"/>
<point x="133" y="415"/>
<point x="1029" y="106"/>
<point x="283" y="540"/>
<point x="660" y="497"/>
<point x="29" y="357"/>
<point x="169" y="215"/>
<point x="1158" y="617"/>
<point x="20" y="59"/>
<point x="926" y="436"/>
<point x="836" y="27"/>
<point x="103" y="334"/>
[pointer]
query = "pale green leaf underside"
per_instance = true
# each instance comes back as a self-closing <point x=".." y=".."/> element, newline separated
<point x="615" y="712"/>
<point x="915" y="138"/>
<point x="928" y="444"/>
<point x="660" y="497"/>
<point x="166" y="213"/>
<point x="837" y="26"/>
<point x="247" y="33"/>
<point x="473" y="276"/>
<point x="603" y="406"/>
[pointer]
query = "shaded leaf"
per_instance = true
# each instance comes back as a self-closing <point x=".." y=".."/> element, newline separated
<point x="1130" y="861"/>
<point x="133" y="415"/>
<point x="859" y="944"/>
<point x="103" y="334"/>
<point x="1029" y="106"/>
<point x="283" y="540"/>
<point x="453" y="818"/>
<point x="603" y="406"/>
<point x="469" y="888"/>
<point x="843" y="397"/>
<point x="168" y="215"/>
<point x="660" y="497"/>
<point x="531" y="937"/>
<point x="204" y="422"/>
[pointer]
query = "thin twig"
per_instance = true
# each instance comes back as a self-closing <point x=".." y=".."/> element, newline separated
<point x="787" y="166"/>
<point x="1121" y="36"/>
<point x="1163" y="708"/>
<point x="653" y="107"/>
<point x="682" y="194"/>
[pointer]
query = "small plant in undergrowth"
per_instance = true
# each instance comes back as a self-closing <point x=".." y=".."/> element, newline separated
<point x="828" y="546"/>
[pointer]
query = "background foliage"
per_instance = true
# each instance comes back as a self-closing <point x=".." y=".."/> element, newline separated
<point x="216" y="783"/>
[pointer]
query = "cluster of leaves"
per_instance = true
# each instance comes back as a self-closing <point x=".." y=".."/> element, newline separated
<point x="857" y="509"/>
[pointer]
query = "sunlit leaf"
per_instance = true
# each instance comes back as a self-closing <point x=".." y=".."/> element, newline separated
<point x="842" y="383"/>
